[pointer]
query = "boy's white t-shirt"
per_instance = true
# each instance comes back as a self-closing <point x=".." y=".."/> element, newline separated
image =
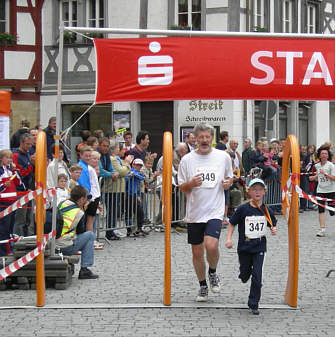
<point x="62" y="194"/>
<point x="94" y="181"/>
<point x="325" y="185"/>
<point x="206" y="201"/>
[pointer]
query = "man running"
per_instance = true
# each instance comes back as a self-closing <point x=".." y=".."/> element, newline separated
<point x="204" y="174"/>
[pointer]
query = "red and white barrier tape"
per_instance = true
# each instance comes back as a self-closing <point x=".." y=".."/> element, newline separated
<point x="24" y="260"/>
<point x="22" y="201"/>
<point x="304" y="195"/>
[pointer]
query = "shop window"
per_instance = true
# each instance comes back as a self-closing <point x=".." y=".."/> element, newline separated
<point x="188" y="14"/>
<point x="99" y="117"/>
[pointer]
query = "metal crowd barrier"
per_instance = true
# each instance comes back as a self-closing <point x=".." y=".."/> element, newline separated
<point x="272" y="196"/>
<point x="121" y="211"/>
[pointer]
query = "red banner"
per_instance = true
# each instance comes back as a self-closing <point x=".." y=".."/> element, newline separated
<point x="181" y="68"/>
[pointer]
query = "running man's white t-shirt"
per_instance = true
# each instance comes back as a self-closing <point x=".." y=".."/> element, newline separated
<point x="206" y="201"/>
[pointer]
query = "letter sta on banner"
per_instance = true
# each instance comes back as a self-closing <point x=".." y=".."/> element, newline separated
<point x="180" y="68"/>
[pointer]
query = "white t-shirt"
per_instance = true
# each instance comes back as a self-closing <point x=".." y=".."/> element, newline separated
<point x="94" y="181"/>
<point x="206" y="201"/>
<point x="325" y="185"/>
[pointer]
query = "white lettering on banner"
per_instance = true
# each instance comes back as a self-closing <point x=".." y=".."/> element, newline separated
<point x="289" y="63"/>
<point x="316" y="59"/>
<point x="147" y="66"/>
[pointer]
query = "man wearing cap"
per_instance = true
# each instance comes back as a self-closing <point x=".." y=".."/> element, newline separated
<point x="252" y="219"/>
<point x="203" y="175"/>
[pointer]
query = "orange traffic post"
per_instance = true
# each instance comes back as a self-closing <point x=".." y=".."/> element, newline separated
<point x="4" y="103"/>
<point x="167" y="212"/>
<point x="291" y="162"/>
<point x="40" y="182"/>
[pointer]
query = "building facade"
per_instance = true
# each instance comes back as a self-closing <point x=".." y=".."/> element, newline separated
<point x="21" y="57"/>
<point x="312" y="121"/>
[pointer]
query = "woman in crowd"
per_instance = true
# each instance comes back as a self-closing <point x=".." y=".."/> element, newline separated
<point x="325" y="176"/>
<point x="62" y="167"/>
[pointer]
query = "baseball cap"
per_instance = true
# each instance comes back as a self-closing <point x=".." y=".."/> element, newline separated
<point x="138" y="161"/>
<point x="256" y="181"/>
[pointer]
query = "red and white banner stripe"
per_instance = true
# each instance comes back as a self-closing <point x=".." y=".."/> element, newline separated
<point x="22" y="201"/>
<point x="24" y="260"/>
<point x="12" y="194"/>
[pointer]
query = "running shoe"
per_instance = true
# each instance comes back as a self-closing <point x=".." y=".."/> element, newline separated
<point x="202" y="294"/>
<point x="321" y="234"/>
<point x="214" y="282"/>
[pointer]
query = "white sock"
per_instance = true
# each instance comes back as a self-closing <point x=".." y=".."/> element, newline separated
<point x="323" y="229"/>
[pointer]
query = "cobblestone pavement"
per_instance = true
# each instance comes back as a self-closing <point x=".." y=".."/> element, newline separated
<point x="131" y="276"/>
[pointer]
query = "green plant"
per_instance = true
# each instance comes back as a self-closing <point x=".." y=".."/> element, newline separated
<point x="260" y="29"/>
<point x="69" y="37"/>
<point x="8" y="38"/>
<point x="95" y="35"/>
<point x="182" y="27"/>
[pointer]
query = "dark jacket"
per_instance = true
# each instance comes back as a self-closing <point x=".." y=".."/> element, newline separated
<point x="50" y="140"/>
<point x="257" y="159"/>
<point x="246" y="160"/>
<point x="15" y="140"/>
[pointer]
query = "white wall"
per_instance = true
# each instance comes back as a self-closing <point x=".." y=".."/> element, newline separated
<point x="157" y="14"/>
<point x="123" y="14"/>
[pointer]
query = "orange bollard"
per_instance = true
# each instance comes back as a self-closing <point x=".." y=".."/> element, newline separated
<point x="291" y="159"/>
<point x="4" y="103"/>
<point x="167" y="212"/>
<point x="4" y="119"/>
<point x="40" y="182"/>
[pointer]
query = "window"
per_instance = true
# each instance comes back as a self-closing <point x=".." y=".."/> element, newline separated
<point x="4" y="16"/>
<point x="68" y="12"/>
<point x="189" y="13"/>
<point x="311" y="18"/>
<point x="259" y="121"/>
<point x="287" y="16"/>
<point x="304" y="109"/>
<point x="95" y="13"/>
<point x="259" y="14"/>
<point x="283" y="113"/>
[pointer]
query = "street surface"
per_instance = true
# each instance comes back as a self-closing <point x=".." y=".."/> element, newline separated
<point x="127" y="298"/>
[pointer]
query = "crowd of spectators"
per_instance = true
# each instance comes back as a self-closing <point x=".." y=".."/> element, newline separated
<point x="117" y="175"/>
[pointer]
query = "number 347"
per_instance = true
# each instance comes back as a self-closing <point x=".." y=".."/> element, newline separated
<point x="258" y="226"/>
